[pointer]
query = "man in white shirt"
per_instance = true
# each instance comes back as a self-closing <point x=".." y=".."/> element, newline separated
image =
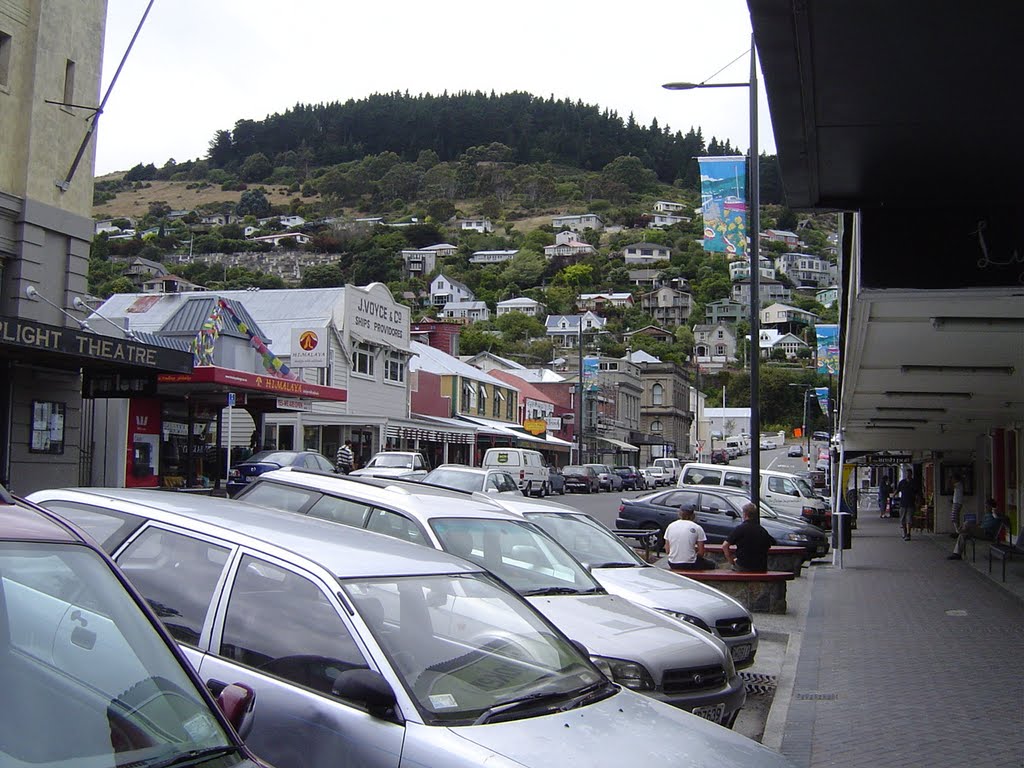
<point x="685" y="542"/>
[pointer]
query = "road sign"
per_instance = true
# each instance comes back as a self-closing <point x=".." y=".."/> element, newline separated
<point x="231" y="399"/>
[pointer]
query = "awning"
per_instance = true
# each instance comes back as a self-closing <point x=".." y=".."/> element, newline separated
<point x="211" y="378"/>
<point x="489" y="427"/>
<point x="431" y="430"/>
<point x="619" y="444"/>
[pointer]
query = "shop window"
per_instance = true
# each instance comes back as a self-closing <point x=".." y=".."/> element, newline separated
<point x="499" y="399"/>
<point x="47" y="427"/>
<point x="362" y="360"/>
<point x="510" y="408"/>
<point x="394" y="367"/>
<point x="468" y="397"/>
<point x="481" y="403"/>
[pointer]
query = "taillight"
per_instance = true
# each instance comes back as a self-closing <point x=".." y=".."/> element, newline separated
<point x="809" y="511"/>
<point x="522" y="474"/>
<point x="622" y="507"/>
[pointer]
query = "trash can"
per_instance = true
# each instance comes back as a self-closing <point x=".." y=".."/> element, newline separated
<point x="842" y="523"/>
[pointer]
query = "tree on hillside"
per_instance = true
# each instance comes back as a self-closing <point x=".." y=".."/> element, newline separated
<point x="252" y="203"/>
<point x="525" y="268"/>
<point x="629" y="172"/>
<point x="256" y="167"/>
<point x="323" y="276"/>
<point x="515" y="326"/>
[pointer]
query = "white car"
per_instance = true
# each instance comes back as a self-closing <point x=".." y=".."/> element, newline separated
<point x="768" y="444"/>
<point x="655" y="476"/>
<point x="405" y="464"/>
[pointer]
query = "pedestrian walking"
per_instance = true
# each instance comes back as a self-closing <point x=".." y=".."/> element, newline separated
<point x="905" y="490"/>
<point x="751" y="541"/>
<point x="345" y="458"/>
<point x="685" y="541"/>
<point x="884" y="492"/>
<point x="958" y="501"/>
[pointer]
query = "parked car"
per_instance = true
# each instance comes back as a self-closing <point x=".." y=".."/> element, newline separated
<point x="89" y="677"/>
<point x="407" y="464"/>
<point x="608" y="480"/>
<point x="719" y="456"/>
<point x="581" y="479"/>
<point x="672" y="467"/>
<point x="657" y="476"/>
<point x="733" y="451"/>
<point x="647" y="651"/>
<point x="795" y="450"/>
<point x="632" y="480"/>
<point x="555" y="480"/>
<point x="525" y="465"/>
<point x="767" y="444"/>
<point x="619" y="570"/>
<point x="466" y="478"/>
<point x="717" y="511"/>
<point x="246" y="471"/>
<point x="820" y="435"/>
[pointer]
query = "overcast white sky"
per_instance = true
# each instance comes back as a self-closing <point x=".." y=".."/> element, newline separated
<point x="200" y="65"/>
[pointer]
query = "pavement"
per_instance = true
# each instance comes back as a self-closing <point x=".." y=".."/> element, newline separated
<point x="896" y="657"/>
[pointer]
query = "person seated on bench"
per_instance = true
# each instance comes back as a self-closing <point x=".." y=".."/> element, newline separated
<point x="751" y="541"/>
<point x="987" y="530"/>
<point x="685" y="541"/>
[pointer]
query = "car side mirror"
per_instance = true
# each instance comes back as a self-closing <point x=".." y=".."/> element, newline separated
<point x="368" y="688"/>
<point x="238" y="702"/>
<point x="580" y="647"/>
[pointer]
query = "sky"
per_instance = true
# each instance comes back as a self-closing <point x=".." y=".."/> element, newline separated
<point x="199" y="66"/>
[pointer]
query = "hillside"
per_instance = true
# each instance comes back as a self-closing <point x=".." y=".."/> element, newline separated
<point x="179" y="195"/>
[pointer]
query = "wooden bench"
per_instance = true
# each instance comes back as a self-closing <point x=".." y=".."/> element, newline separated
<point x="1004" y="552"/>
<point x="780" y="557"/>
<point x="763" y="592"/>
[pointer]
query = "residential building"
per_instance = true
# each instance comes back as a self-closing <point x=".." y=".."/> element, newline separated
<point x="769" y="292"/>
<point x="662" y="220"/>
<point x="578" y="223"/>
<point x="491" y="257"/>
<point x="522" y="304"/>
<point x="599" y="301"/>
<point x="771" y="340"/>
<point x="783" y="317"/>
<point x="420" y="262"/>
<point x="170" y="284"/>
<point x="646" y="278"/>
<point x="51" y="50"/>
<point x="536" y="404"/>
<point x="568" y="247"/>
<point x="827" y="296"/>
<point x="727" y="421"/>
<point x="724" y="311"/>
<point x="665" y="413"/>
<point x="139" y="269"/>
<point x="740" y="269"/>
<point x="666" y="206"/>
<point x="790" y="239"/>
<point x="447" y="290"/>
<point x="488" y="362"/>
<point x="807" y="271"/>
<point x="483" y="226"/>
<point x="714" y="345"/>
<point x="466" y="311"/>
<point x="668" y="306"/>
<point x="652" y="331"/>
<point x="292" y="238"/>
<point x="646" y="253"/>
<point x="564" y="330"/>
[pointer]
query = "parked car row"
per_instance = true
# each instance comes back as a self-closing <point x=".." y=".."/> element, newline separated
<point x="465" y="634"/>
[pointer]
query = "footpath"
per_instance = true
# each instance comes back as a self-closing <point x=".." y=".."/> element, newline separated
<point x="899" y="658"/>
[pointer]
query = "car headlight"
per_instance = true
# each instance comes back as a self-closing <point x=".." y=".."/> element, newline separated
<point x="692" y="620"/>
<point x="626" y="673"/>
<point x="730" y="666"/>
<point x="802" y="537"/>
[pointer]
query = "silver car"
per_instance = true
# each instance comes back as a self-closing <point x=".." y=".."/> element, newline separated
<point x="368" y="651"/>
<point x="638" y="648"/>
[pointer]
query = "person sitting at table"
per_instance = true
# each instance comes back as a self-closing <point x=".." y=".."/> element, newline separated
<point x="987" y="530"/>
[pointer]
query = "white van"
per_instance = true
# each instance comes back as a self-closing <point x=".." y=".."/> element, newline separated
<point x="786" y="493"/>
<point x="526" y="466"/>
<point x="671" y="466"/>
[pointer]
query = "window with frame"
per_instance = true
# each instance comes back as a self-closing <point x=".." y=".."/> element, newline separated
<point x="481" y="402"/>
<point x="499" y="400"/>
<point x="362" y="359"/>
<point x="657" y="395"/>
<point x="656" y="426"/>
<point x="468" y="397"/>
<point x="510" y="407"/>
<point x="394" y="367"/>
<point x="5" y="59"/>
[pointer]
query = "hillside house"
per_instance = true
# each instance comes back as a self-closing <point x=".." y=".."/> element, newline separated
<point x="170" y="284"/>
<point x="420" y="262"/>
<point x="466" y="311"/>
<point x="523" y="304"/>
<point x="291" y="238"/>
<point x="724" y="311"/>
<point x="740" y="269"/>
<point x="770" y="340"/>
<point x="652" y="331"/>
<point x="483" y="226"/>
<point x="790" y="239"/>
<point x="564" y="330"/>
<point x="662" y="220"/>
<point x="447" y="290"/>
<point x="668" y="306"/>
<point x="568" y="247"/>
<point x="714" y="345"/>
<point x="645" y="278"/>
<point x="578" y="223"/>
<point x="827" y="296"/>
<point x="769" y="292"/>
<point x="491" y="257"/>
<point x="806" y="271"/>
<point x="645" y="253"/>
<point x="667" y="206"/>
<point x="599" y="301"/>
<point x="783" y="318"/>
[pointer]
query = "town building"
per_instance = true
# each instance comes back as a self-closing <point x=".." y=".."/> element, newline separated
<point x="578" y="223"/>
<point x="714" y="345"/>
<point x="522" y="304"/>
<point x="665" y="413"/>
<point x="769" y="292"/>
<point x="421" y="262"/>
<point x="668" y="306"/>
<point x="564" y="330"/>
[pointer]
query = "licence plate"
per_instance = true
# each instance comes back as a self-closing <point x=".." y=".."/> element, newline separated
<point x="740" y="652"/>
<point x="714" y="714"/>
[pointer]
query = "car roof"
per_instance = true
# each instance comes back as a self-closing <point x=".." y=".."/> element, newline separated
<point x="344" y="551"/>
<point x="416" y="499"/>
<point x="21" y="521"/>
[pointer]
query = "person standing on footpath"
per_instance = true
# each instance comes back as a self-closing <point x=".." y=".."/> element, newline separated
<point x="905" y="490"/>
<point x="884" y="492"/>
<point x="345" y="458"/>
<point x="958" y="501"/>
<point x="752" y="543"/>
<point x="685" y="541"/>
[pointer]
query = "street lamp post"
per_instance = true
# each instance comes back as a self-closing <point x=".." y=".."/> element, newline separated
<point x="754" y="254"/>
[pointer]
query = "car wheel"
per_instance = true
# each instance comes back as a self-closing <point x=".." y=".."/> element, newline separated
<point x="544" y="490"/>
<point x="527" y="489"/>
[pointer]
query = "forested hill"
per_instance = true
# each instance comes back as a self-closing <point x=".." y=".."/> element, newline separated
<point x="537" y="130"/>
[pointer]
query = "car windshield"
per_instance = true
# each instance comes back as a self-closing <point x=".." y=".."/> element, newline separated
<point x="85" y="679"/>
<point x="467" y="649"/>
<point x="517" y="553"/>
<point x="281" y="458"/>
<point x="805" y="489"/>
<point x="587" y="540"/>
<point x="454" y="478"/>
<point x="391" y="460"/>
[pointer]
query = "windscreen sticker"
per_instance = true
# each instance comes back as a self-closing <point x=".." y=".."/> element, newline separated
<point x="442" y="701"/>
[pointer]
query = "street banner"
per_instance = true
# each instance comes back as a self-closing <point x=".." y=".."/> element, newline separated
<point x="723" y="184"/>
<point x="590" y="371"/>
<point x="821" y="393"/>
<point x="828" y="348"/>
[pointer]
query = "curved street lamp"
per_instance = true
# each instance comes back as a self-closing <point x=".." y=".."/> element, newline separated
<point x="754" y="254"/>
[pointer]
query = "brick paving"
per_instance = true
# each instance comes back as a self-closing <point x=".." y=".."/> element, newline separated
<point x="907" y="659"/>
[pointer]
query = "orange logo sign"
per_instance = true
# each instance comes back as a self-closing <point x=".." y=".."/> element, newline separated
<point x="308" y="340"/>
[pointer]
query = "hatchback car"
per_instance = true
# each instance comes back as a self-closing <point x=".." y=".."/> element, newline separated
<point x="646" y="651"/>
<point x="581" y="479"/>
<point x="555" y="481"/>
<point x="632" y="480"/>
<point x="795" y="450"/>
<point x="607" y="479"/>
<point x="657" y="476"/>
<point x="719" y="456"/>
<point x="466" y="478"/>
<point x="717" y="511"/>
<point x="89" y="677"/>
<point x="244" y="472"/>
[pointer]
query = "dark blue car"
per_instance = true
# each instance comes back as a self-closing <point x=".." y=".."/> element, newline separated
<point x="245" y="472"/>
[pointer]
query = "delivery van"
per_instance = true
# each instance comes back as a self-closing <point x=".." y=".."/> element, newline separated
<point x="526" y="466"/>
<point x="786" y="493"/>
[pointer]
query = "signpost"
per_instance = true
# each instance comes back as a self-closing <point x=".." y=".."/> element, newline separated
<point x="227" y="464"/>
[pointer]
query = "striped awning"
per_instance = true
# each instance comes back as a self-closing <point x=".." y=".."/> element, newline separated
<point x="428" y="432"/>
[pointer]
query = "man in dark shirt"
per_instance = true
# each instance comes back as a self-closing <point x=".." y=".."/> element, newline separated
<point x="752" y="543"/>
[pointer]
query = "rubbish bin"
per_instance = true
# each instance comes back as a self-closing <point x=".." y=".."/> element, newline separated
<point x="842" y="523"/>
